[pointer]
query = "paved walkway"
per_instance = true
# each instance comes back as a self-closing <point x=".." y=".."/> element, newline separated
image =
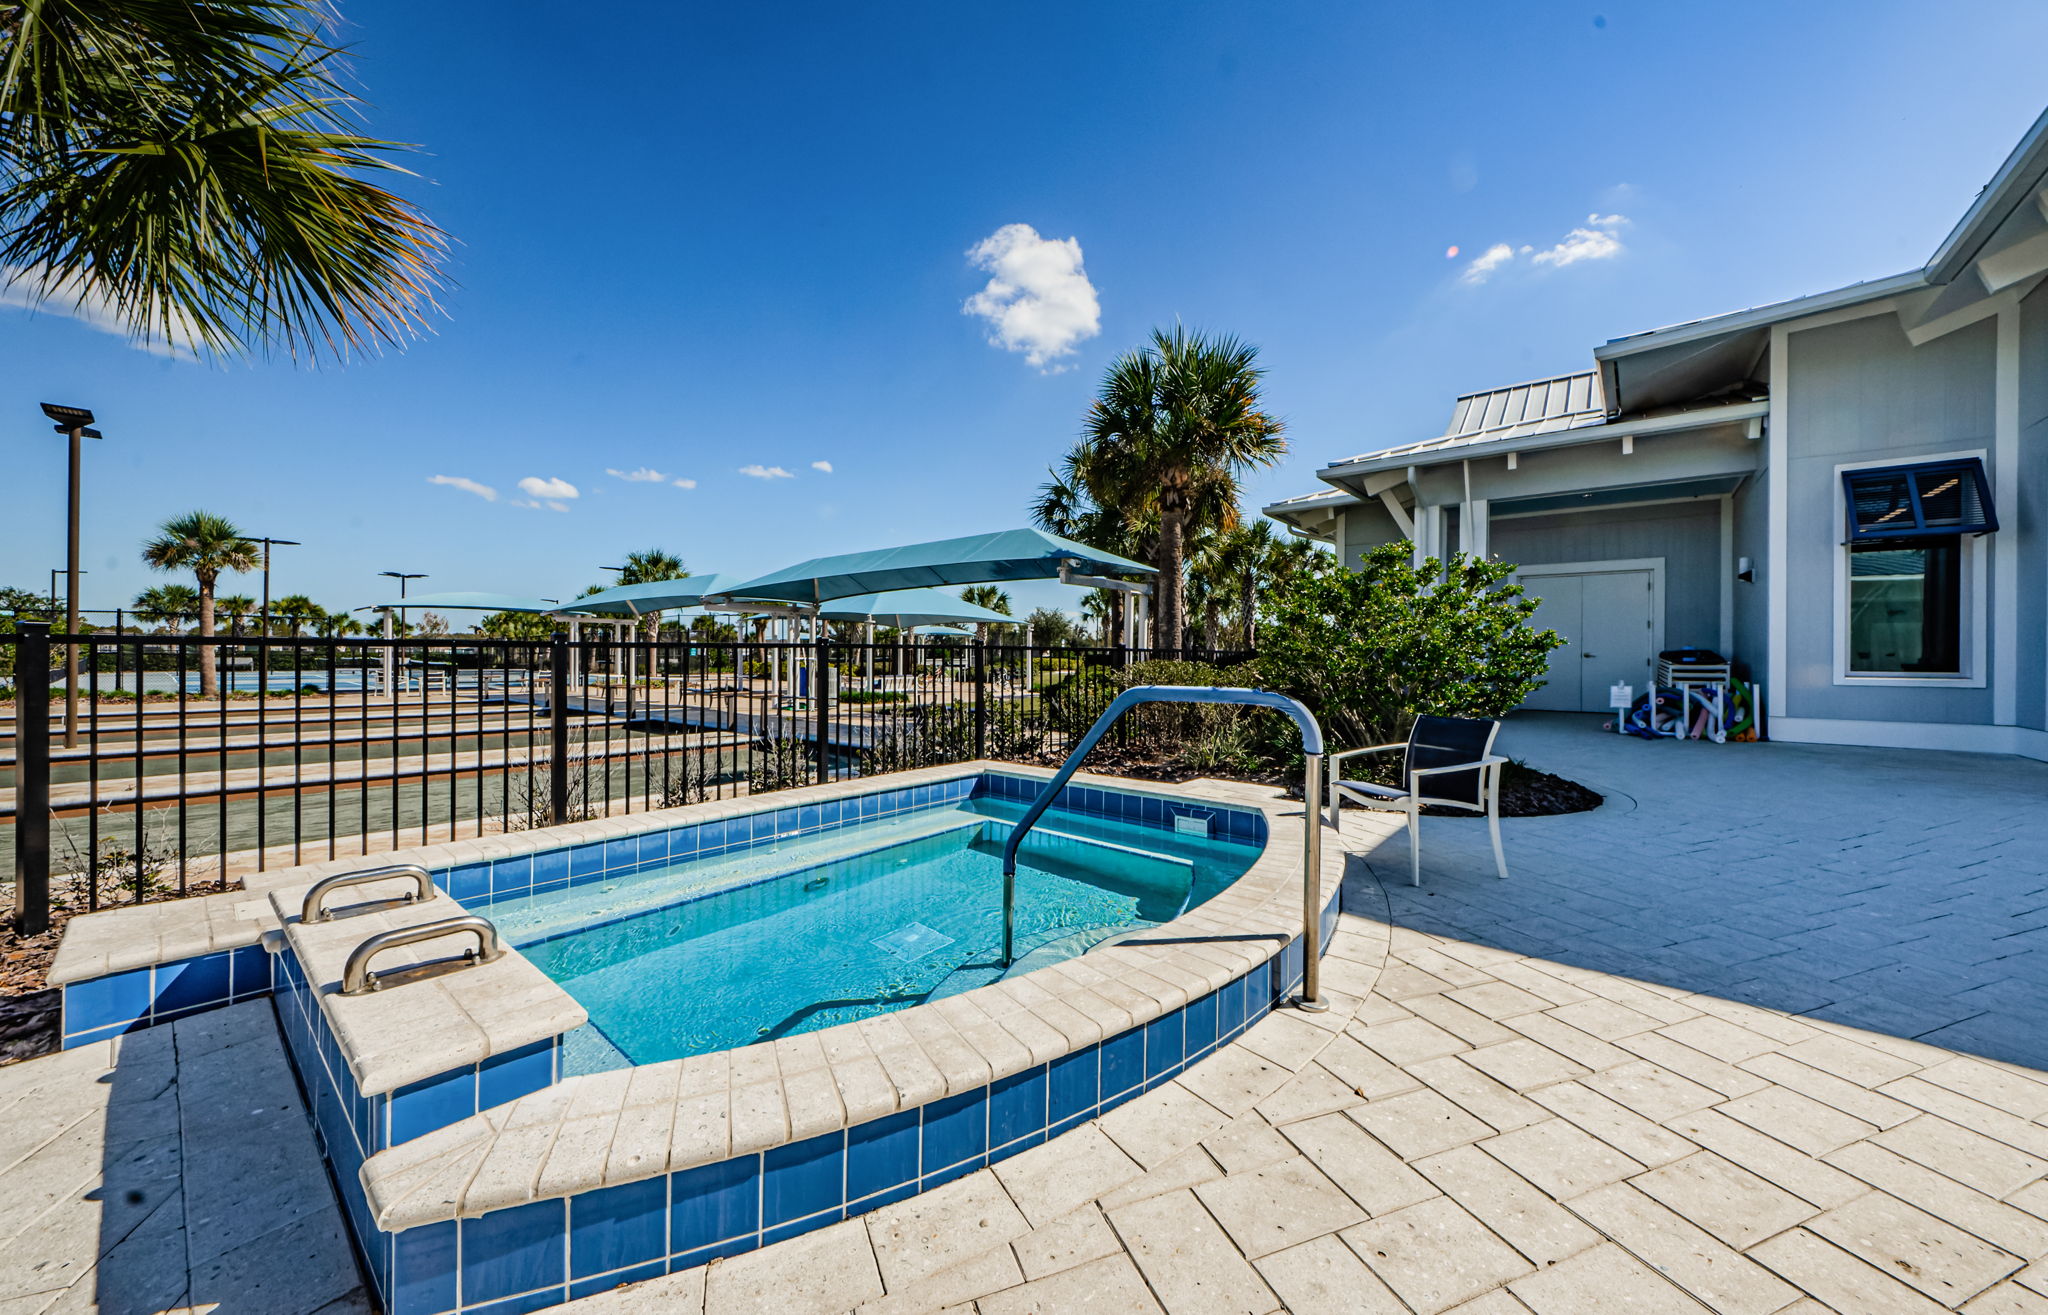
<point x="1498" y="1119"/>
<point x="171" y="1171"/>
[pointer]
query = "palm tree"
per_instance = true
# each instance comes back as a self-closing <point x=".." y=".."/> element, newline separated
<point x="1065" y="507"/>
<point x="1173" y="426"/>
<point x="238" y="608"/>
<point x="295" y="611"/>
<point x="985" y="595"/>
<point x="166" y="604"/>
<point x="194" y="170"/>
<point x="648" y="566"/>
<point x="206" y="545"/>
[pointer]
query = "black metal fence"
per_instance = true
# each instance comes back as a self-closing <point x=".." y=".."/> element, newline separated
<point x="183" y="764"/>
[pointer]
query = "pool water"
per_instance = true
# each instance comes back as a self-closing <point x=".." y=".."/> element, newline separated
<point x="831" y="927"/>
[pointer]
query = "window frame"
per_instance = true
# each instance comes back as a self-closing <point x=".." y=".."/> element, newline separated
<point x="1973" y="643"/>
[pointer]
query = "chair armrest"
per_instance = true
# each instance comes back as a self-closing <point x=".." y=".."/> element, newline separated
<point x="1490" y="760"/>
<point x="1377" y="748"/>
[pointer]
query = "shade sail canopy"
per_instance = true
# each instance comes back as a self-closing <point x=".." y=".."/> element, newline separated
<point x="944" y="630"/>
<point x="468" y="602"/>
<point x="976" y="559"/>
<point x="655" y="596"/>
<point x="905" y="608"/>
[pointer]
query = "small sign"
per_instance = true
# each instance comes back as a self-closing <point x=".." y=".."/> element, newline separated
<point x="1620" y="695"/>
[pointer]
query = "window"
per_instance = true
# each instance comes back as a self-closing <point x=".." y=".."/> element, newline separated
<point x="1910" y="502"/>
<point x="1906" y="607"/>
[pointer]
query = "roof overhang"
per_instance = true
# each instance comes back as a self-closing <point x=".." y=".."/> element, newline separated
<point x="1312" y="515"/>
<point x="1356" y="476"/>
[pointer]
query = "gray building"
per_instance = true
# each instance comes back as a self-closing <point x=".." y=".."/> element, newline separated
<point x="1845" y="493"/>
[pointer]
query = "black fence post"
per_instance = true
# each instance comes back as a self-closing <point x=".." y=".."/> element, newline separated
<point x="558" y="730"/>
<point x="32" y="778"/>
<point x="821" y="703"/>
<point x="980" y="699"/>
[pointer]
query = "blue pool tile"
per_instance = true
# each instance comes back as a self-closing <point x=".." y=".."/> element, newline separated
<point x="783" y="1232"/>
<point x="72" y="1040"/>
<point x="590" y="1287"/>
<point x="1068" y="1125"/>
<point x="423" y="1270"/>
<point x="682" y="841"/>
<point x="515" y="1073"/>
<point x="1016" y="1106"/>
<point x="1123" y="1062"/>
<point x="512" y="1251"/>
<point x="1025" y="1143"/>
<point x="551" y="865"/>
<point x="683" y="1260"/>
<point x="810" y="817"/>
<point x="583" y="860"/>
<point x="102" y="1001"/>
<point x="879" y="1199"/>
<point x="653" y="850"/>
<point x="1072" y="1085"/>
<point x="191" y="984"/>
<point x="472" y="882"/>
<point x="1201" y="1025"/>
<point x="251" y="971"/>
<point x="956" y="1130"/>
<point x="881" y="1154"/>
<point x="947" y="1175"/>
<point x="618" y="854"/>
<point x="714" y="1203"/>
<point x="524" y="1304"/>
<point x="618" y="1227"/>
<point x="710" y="837"/>
<point x="434" y="1103"/>
<point x="803" y="1178"/>
<point x="1165" y="1044"/>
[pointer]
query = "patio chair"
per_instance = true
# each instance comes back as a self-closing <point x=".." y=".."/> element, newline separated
<point x="1449" y="761"/>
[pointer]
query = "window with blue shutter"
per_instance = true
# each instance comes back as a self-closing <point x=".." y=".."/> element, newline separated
<point x="1929" y="499"/>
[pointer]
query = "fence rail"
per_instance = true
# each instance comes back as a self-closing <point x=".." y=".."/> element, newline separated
<point x="167" y="781"/>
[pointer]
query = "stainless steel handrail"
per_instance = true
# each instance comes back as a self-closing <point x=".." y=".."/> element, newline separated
<point x="356" y="978"/>
<point x="310" y="911"/>
<point x="1311" y="810"/>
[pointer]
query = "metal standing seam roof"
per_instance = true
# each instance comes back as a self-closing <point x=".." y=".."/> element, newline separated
<point x="1540" y="407"/>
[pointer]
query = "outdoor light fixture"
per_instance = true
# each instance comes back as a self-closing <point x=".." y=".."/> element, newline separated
<point x="74" y="422"/>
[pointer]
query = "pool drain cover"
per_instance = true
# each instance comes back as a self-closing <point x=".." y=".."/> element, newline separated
<point x="912" y="942"/>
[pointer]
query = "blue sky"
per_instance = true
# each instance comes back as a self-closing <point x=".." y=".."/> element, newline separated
<point x="695" y="239"/>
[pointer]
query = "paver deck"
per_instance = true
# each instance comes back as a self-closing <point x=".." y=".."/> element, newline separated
<point x="173" y="1170"/>
<point x="1504" y="1116"/>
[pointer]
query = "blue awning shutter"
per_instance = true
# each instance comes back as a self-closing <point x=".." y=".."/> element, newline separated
<point x="1926" y="500"/>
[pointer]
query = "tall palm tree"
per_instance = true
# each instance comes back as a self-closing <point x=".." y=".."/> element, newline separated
<point x="295" y="611"/>
<point x="1173" y="426"/>
<point x="206" y="545"/>
<point x="1066" y="507"/>
<point x="237" y="608"/>
<point x="194" y="169"/>
<point x="648" y="566"/>
<point x="166" y="604"/>
<point x="985" y="595"/>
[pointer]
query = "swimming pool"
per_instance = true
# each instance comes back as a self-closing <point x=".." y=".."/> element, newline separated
<point x="743" y="946"/>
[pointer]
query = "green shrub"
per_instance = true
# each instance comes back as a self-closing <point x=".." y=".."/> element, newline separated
<point x="1370" y="650"/>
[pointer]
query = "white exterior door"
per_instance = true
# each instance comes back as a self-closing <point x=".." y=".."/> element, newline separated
<point x="1609" y="622"/>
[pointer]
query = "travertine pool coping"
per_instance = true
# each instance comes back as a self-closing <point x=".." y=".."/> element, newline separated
<point x="604" y="1129"/>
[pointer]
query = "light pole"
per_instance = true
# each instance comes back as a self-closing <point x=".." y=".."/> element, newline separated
<point x="267" y="545"/>
<point x="56" y="571"/>
<point x="75" y="422"/>
<point x="402" y="577"/>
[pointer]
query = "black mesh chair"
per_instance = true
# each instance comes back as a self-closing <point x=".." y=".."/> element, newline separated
<point x="1449" y="761"/>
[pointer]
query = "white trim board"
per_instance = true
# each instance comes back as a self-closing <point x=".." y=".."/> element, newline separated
<point x="2021" y="741"/>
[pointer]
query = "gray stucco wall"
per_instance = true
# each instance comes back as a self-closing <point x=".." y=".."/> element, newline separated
<point x="1364" y="527"/>
<point x="2027" y="517"/>
<point x="1859" y="391"/>
<point x="1687" y="535"/>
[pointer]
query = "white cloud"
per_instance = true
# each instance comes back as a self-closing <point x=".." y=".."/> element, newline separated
<point x="1487" y="261"/>
<point x="1038" y="300"/>
<point x="484" y="491"/>
<point x="32" y="287"/>
<point x="766" y="472"/>
<point x="552" y="493"/>
<point x="1596" y="239"/>
<point x="682" y="483"/>
<point x="643" y="475"/>
<point x="823" y="466"/>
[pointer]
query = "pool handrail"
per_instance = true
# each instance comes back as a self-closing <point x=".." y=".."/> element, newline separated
<point x="357" y="979"/>
<point x="1312" y="838"/>
<point x="312" y="910"/>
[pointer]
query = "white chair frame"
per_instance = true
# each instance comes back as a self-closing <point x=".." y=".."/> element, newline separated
<point x="1413" y="803"/>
